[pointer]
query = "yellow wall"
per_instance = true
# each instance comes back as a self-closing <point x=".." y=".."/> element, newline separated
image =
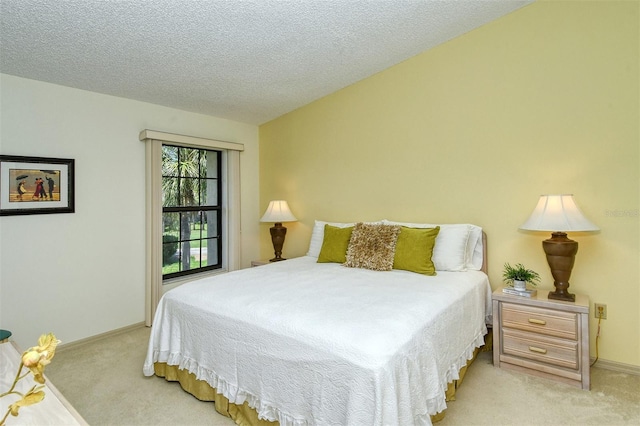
<point x="544" y="100"/>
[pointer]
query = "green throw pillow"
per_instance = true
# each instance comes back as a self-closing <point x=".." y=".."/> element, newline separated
<point x="414" y="249"/>
<point x="334" y="244"/>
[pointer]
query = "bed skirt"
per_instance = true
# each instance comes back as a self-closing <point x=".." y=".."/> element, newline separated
<point x="243" y="415"/>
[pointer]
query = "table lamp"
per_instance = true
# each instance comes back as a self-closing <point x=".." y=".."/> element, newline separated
<point x="278" y="212"/>
<point x="558" y="214"/>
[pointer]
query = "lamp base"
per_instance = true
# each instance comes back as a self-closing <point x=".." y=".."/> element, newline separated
<point x="561" y="254"/>
<point x="566" y="296"/>
<point x="278" y="233"/>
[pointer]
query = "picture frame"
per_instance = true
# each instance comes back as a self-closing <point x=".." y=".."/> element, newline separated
<point x="36" y="185"/>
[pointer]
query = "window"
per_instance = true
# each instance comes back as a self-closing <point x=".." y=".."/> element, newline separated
<point x="213" y="224"/>
<point x="191" y="210"/>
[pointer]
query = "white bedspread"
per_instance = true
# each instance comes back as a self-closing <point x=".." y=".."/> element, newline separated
<point x="308" y="343"/>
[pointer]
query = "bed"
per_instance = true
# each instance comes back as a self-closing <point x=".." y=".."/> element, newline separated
<point x="306" y="342"/>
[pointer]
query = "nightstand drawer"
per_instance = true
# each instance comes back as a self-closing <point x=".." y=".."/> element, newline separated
<point x="556" y="352"/>
<point x="540" y="320"/>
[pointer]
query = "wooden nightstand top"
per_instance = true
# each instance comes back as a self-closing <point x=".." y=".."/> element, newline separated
<point x="261" y="262"/>
<point x="541" y="300"/>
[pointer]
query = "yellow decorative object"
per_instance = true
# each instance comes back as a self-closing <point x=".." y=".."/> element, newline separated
<point x="35" y="359"/>
<point x="34" y="396"/>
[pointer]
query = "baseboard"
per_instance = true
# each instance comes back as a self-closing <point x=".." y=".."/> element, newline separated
<point x="617" y="366"/>
<point x="92" y="339"/>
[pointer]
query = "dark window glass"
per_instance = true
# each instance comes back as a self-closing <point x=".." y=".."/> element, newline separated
<point x="191" y="206"/>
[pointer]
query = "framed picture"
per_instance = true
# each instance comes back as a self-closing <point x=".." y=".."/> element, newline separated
<point x="36" y="185"/>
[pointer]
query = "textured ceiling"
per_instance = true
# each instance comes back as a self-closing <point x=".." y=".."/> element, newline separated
<point x="249" y="61"/>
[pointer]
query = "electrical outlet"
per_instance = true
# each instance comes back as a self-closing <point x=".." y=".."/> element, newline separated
<point x="600" y="310"/>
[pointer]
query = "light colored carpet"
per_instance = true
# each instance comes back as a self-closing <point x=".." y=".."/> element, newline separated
<point x="103" y="380"/>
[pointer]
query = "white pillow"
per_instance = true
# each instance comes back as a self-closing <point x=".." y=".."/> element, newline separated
<point x="458" y="247"/>
<point x="317" y="235"/>
<point x="475" y="243"/>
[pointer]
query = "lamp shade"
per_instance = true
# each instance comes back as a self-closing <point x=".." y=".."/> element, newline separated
<point x="558" y="213"/>
<point x="278" y="211"/>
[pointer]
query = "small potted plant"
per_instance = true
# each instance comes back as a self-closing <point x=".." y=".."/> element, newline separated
<point x="518" y="276"/>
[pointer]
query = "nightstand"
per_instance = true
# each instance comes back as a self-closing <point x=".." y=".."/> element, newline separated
<point x="543" y="337"/>
<point x="259" y="262"/>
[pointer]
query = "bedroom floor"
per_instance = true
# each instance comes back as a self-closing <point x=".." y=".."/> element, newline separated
<point x="103" y="380"/>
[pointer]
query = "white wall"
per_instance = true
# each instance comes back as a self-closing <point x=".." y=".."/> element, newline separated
<point x="78" y="275"/>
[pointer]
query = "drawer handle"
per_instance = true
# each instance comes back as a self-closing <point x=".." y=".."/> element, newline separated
<point x="537" y="321"/>
<point x="538" y="350"/>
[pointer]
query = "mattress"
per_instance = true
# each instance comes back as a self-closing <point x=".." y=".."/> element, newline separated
<point x="309" y="343"/>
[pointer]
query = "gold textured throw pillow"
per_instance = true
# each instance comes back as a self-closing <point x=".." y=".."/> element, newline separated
<point x="372" y="246"/>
